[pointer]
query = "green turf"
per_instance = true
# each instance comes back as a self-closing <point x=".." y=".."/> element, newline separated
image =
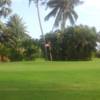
<point x="50" y="80"/>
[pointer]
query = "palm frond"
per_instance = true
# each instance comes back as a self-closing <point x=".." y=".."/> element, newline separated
<point x="51" y="14"/>
<point x="74" y="14"/>
<point x="30" y="1"/>
<point x="63" y="10"/>
<point x="58" y="18"/>
<point x="71" y="19"/>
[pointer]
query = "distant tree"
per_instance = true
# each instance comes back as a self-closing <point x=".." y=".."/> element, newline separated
<point x="4" y="53"/>
<point x="30" y="49"/>
<point x="98" y="37"/>
<point x="17" y="30"/>
<point x="5" y="10"/>
<point x="56" y="49"/>
<point x="2" y="27"/>
<point x="37" y="2"/>
<point x="4" y="36"/>
<point x="79" y="43"/>
<point x="76" y="43"/>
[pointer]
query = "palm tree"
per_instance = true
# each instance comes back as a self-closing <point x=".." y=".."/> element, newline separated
<point x="16" y="30"/>
<point x="2" y="28"/>
<point x="5" y="8"/>
<point x="38" y="12"/>
<point x="62" y="10"/>
<point x="4" y="12"/>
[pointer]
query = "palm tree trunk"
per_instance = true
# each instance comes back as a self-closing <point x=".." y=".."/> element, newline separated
<point x="63" y="23"/>
<point x="50" y="54"/>
<point x="38" y="12"/>
<point x="44" y="41"/>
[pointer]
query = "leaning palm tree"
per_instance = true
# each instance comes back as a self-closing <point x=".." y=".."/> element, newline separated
<point x="5" y="8"/>
<point x="62" y="10"/>
<point x="38" y="12"/>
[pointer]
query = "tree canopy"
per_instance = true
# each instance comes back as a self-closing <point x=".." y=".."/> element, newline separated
<point x="76" y="43"/>
<point x="62" y="10"/>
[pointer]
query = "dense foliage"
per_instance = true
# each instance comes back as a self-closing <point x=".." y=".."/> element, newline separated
<point x="72" y="43"/>
<point x="15" y="43"/>
<point x="76" y="43"/>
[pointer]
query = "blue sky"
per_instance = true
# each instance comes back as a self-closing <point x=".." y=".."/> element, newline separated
<point x="88" y="15"/>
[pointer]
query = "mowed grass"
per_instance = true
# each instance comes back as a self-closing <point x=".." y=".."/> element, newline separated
<point x="50" y="80"/>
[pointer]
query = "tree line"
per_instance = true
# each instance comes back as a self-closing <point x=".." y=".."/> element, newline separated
<point x="62" y="43"/>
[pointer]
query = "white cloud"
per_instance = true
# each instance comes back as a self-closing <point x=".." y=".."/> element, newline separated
<point x="93" y="4"/>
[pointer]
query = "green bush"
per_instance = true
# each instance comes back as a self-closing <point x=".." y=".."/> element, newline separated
<point x="15" y="55"/>
<point x="98" y="54"/>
